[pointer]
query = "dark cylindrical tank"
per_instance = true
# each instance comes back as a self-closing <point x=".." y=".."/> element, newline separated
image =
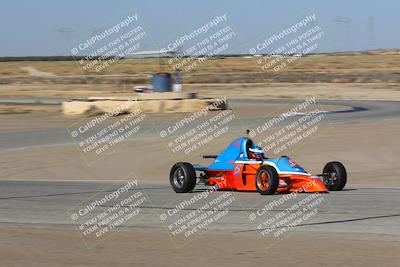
<point x="161" y="82"/>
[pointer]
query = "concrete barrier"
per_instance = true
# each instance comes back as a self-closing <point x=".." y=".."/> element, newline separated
<point x="95" y="106"/>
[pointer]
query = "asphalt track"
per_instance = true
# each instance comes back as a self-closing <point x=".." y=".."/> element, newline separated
<point x="367" y="212"/>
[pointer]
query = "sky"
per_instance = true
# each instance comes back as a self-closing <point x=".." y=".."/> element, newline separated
<point x="54" y="27"/>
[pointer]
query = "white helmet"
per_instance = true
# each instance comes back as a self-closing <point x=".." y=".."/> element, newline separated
<point x="256" y="153"/>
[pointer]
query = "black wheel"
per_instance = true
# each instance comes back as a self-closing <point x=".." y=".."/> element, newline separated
<point x="267" y="180"/>
<point x="335" y="176"/>
<point x="182" y="177"/>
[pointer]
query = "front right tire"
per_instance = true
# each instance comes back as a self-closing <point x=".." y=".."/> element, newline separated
<point x="335" y="176"/>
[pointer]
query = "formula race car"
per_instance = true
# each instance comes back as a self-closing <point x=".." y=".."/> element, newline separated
<point x="242" y="166"/>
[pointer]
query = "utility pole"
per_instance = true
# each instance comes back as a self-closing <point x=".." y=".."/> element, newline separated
<point x="347" y="23"/>
<point x="371" y="32"/>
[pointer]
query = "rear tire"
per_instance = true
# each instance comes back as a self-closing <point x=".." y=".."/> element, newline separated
<point x="267" y="180"/>
<point x="182" y="177"/>
<point x="337" y="176"/>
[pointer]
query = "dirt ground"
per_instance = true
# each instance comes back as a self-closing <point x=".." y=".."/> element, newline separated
<point x="359" y="91"/>
<point x="385" y="60"/>
<point x="24" y="108"/>
<point x="367" y="75"/>
<point x="62" y="246"/>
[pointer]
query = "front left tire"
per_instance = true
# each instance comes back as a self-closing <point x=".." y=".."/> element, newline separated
<point x="182" y="177"/>
<point x="267" y="180"/>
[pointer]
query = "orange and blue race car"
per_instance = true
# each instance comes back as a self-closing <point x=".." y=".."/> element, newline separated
<point x="242" y="166"/>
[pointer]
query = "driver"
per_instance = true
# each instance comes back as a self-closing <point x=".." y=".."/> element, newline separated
<point x="256" y="153"/>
